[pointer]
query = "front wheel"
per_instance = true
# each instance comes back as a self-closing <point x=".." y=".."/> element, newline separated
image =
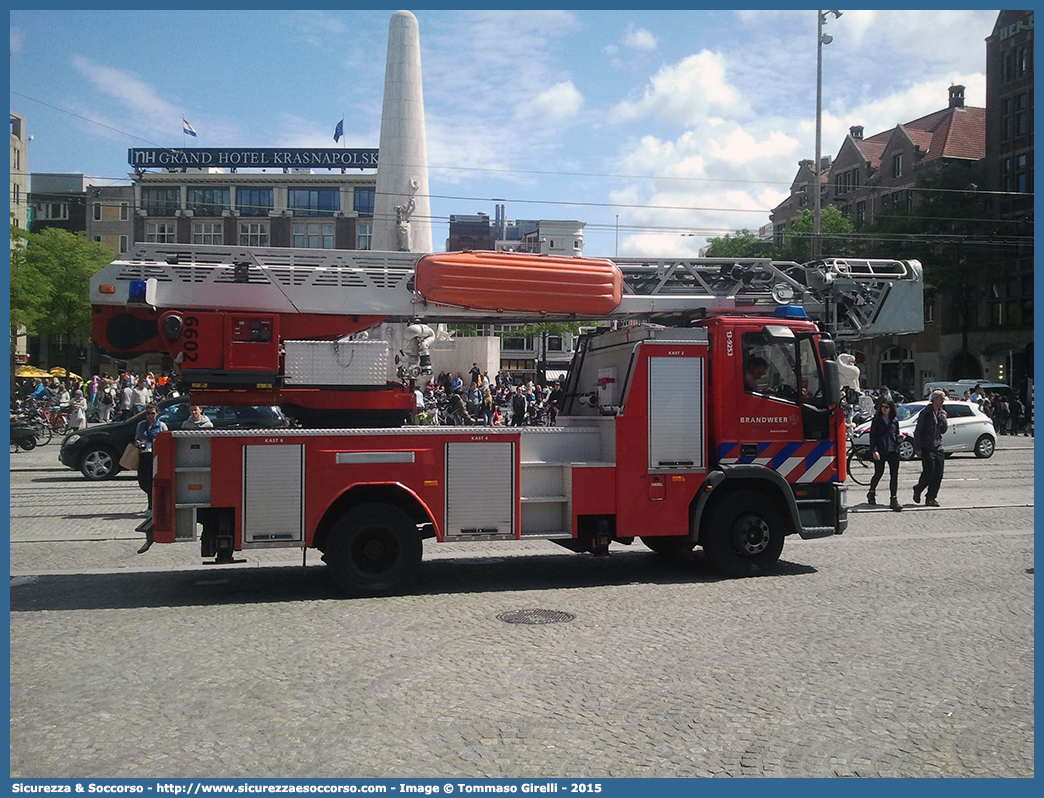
<point x="985" y="446"/>
<point x="906" y="449"/>
<point x="374" y="549"/>
<point x="744" y="534"/>
<point x="99" y="463"/>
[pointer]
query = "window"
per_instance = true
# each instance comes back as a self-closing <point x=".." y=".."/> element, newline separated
<point x="954" y="410"/>
<point x="1023" y="63"/>
<point x="861" y="211"/>
<point x="554" y="343"/>
<point x="516" y="344"/>
<point x="897" y="165"/>
<point x="253" y="201"/>
<point x="1009" y="66"/>
<point x="1006" y="175"/>
<point x="97" y="239"/>
<point x="929" y="308"/>
<point x="97" y="211"/>
<point x="1021" y="118"/>
<point x="364" y="236"/>
<point x="1021" y="173"/>
<point x="54" y="210"/>
<point x="207" y="233"/>
<point x="253" y="234"/>
<point x="123" y="244"/>
<point x="314" y="236"/>
<point x="315" y="201"/>
<point x="208" y="201"/>
<point x="578" y="244"/>
<point x="897" y="199"/>
<point x="161" y="233"/>
<point x="909" y="201"/>
<point x="551" y="244"/>
<point x="124" y="211"/>
<point x="15" y="194"/>
<point x="161" y="201"/>
<point x="17" y="154"/>
<point x="1006" y="119"/>
<point x="365" y="196"/>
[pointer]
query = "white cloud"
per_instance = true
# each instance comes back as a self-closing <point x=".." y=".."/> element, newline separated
<point x="17" y="40"/>
<point x="639" y="39"/>
<point x="560" y="103"/>
<point x="610" y="49"/>
<point x="141" y="111"/>
<point x="125" y="87"/>
<point x="317" y="28"/>
<point x="885" y="112"/>
<point x="684" y="92"/>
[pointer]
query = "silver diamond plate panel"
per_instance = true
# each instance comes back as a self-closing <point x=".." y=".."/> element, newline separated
<point x="336" y="362"/>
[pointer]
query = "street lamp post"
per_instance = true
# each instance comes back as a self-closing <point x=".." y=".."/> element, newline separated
<point x="821" y="39"/>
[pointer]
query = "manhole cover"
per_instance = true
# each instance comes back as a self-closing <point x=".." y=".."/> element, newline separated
<point x="535" y="616"/>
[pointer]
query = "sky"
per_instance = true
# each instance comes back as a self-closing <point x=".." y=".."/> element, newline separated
<point x="655" y="128"/>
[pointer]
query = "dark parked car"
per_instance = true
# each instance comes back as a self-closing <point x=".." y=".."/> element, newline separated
<point x="96" y="451"/>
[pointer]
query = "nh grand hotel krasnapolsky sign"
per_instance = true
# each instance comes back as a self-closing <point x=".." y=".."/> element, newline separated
<point x="242" y="158"/>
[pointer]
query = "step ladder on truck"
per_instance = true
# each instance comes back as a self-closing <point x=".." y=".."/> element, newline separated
<point x="711" y="417"/>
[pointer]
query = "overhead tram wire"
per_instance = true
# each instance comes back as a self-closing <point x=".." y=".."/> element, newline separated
<point x="608" y="175"/>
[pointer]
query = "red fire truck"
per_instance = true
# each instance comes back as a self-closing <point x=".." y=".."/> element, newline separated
<point x="714" y="421"/>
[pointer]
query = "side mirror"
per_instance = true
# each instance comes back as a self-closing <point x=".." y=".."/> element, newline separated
<point x="831" y="383"/>
<point x="827" y="349"/>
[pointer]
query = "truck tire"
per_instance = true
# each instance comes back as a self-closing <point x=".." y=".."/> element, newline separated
<point x="671" y="546"/>
<point x="374" y="549"/>
<point x="744" y="534"/>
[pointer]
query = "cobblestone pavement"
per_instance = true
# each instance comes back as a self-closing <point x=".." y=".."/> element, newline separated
<point x="903" y="648"/>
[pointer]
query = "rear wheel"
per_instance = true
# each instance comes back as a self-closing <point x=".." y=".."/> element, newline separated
<point x="860" y="470"/>
<point x="43" y="433"/>
<point x="374" y="549"/>
<point x="985" y="446"/>
<point x="744" y="534"/>
<point x="672" y="546"/>
<point x="906" y="449"/>
<point x="27" y="443"/>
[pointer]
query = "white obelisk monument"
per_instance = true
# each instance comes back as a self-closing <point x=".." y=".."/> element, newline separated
<point x="402" y="210"/>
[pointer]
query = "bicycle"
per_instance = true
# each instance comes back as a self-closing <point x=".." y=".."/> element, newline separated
<point x="860" y="464"/>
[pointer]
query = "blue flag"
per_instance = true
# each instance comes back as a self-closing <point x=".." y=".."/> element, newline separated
<point x="339" y="130"/>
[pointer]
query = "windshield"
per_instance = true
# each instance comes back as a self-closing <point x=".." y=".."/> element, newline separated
<point x="908" y="411"/>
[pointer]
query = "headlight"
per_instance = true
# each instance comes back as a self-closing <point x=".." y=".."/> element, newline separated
<point x="70" y="440"/>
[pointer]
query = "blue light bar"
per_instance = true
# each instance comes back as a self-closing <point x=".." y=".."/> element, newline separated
<point x="137" y="291"/>
<point x="790" y="312"/>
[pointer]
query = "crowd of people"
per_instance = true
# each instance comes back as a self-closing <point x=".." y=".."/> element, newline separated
<point x="496" y="401"/>
<point x="102" y="397"/>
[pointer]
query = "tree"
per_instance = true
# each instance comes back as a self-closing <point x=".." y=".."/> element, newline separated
<point x="67" y="261"/>
<point x="743" y="244"/>
<point x="31" y="289"/>
<point x="834" y="229"/>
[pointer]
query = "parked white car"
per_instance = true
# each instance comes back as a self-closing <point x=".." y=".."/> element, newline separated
<point x="968" y="430"/>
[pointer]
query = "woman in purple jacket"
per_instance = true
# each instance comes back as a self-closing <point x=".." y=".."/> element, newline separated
<point x="884" y="444"/>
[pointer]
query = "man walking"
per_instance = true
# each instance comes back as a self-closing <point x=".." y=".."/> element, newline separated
<point x="519" y="406"/>
<point x="931" y="424"/>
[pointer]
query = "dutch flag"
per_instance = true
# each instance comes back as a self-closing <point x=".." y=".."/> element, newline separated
<point x="187" y="127"/>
